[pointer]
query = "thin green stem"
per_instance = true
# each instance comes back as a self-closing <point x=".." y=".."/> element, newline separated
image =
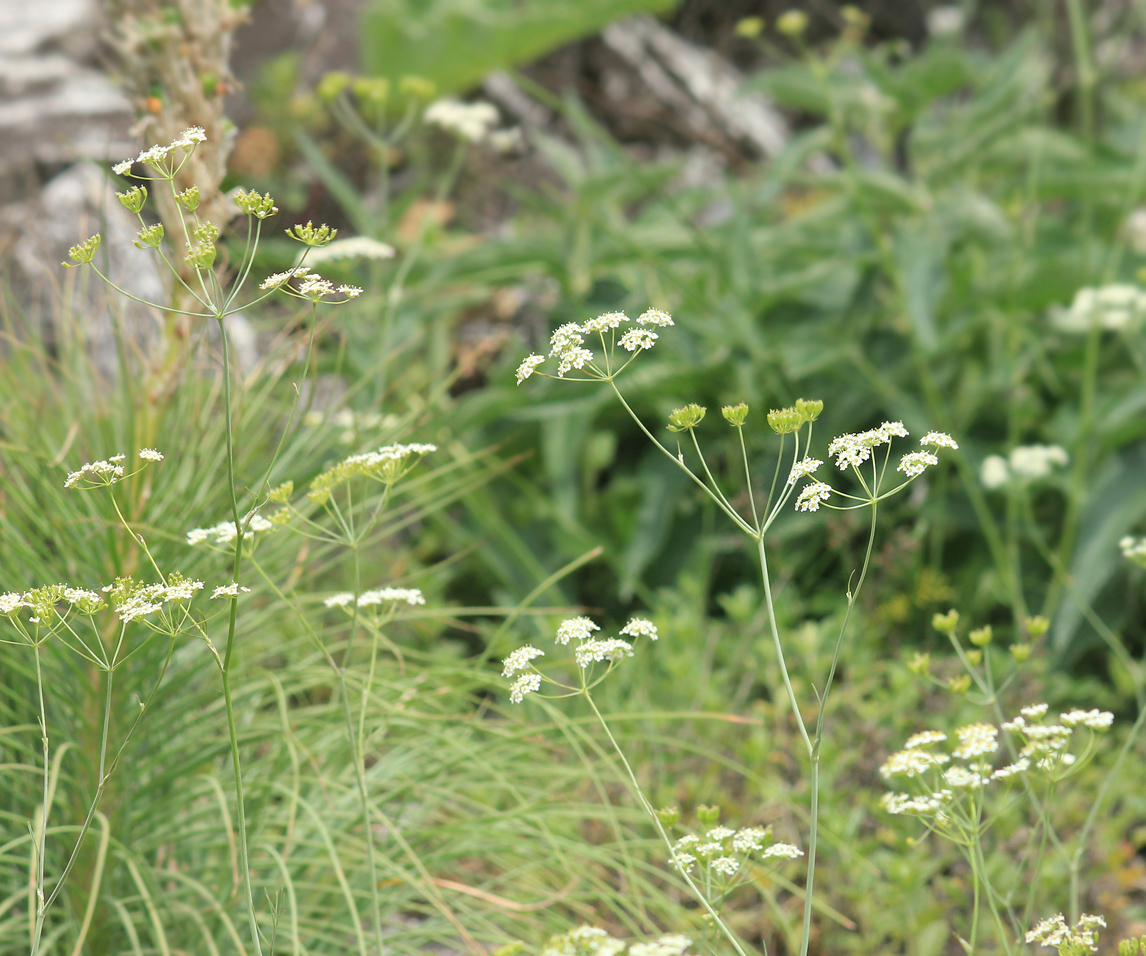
<point x="701" y="897"/>
<point x="232" y="729"/>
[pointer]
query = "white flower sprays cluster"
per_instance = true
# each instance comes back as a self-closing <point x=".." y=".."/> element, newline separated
<point x="104" y="473"/>
<point x="587" y="651"/>
<point x="162" y="164"/>
<point x="593" y="941"/>
<point x="1025" y="464"/>
<point x="949" y="787"/>
<point x="722" y="853"/>
<point x="853" y="450"/>
<point x="567" y="345"/>
<point x="1078" y="940"/>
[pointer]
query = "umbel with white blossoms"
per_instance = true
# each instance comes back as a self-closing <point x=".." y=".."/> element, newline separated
<point x="600" y="350"/>
<point x="202" y="293"/>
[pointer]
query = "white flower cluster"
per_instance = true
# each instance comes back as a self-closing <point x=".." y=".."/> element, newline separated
<point x="356" y="247"/>
<point x="853" y="449"/>
<point x="1074" y="940"/>
<point x="225" y="531"/>
<point x="132" y="601"/>
<point x="387" y="464"/>
<point x="1112" y="308"/>
<point x="472" y="122"/>
<point x="1134" y="549"/>
<point x="156" y="156"/>
<point x="1025" y="463"/>
<point x="589" y="650"/>
<point x="310" y="284"/>
<point x="95" y="474"/>
<point x="228" y="591"/>
<point x="567" y="343"/>
<point x="411" y="596"/>
<point x="100" y="474"/>
<point x="1045" y="744"/>
<point x="723" y="851"/>
<point x="591" y="941"/>
<point x="594" y="651"/>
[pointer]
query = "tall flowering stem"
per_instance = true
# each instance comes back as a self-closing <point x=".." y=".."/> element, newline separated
<point x="202" y="288"/>
<point x="865" y="455"/>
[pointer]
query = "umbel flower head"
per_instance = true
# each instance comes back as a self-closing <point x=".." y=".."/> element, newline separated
<point x="587" y="651"/>
<point x="387" y="465"/>
<point x="164" y="161"/>
<point x="567" y="344"/>
<point x="104" y="473"/>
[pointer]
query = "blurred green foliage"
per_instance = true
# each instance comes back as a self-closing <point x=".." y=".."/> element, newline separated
<point x="455" y="43"/>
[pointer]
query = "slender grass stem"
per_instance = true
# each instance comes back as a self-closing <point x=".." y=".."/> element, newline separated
<point x="232" y="729"/>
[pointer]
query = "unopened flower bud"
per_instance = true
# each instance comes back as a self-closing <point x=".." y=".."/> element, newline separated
<point x="981" y="636"/>
<point x="201" y="256"/>
<point x="1020" y="652"/>
<point x="920" y="664"/>
<point x="259" y="206"/>
<point x="332" y="84"/>
<point x="784" y="421"/>
<point x="975" y="657"/>
<point x="792" y="23"/>
<point x="682" y="419"/>
<point x="750" y="27"/>
<point x="960" y="684"/>
<point x="1128" y="947"/>
<point x="133" y="199"/>
<point x="83" y="252"/>
<point x="708" y="815"/>
<point x="311" y="235"/>
<point x="946" y="623"/>
<point x="189" y="198"/>
<point x="149" y="237"/>
<point x="669" y="816"/>
<point x="1036" y="627"/>
<point x="809" y="409"/>
<point x="735" y="414"/>
<point x="281" y="494"/>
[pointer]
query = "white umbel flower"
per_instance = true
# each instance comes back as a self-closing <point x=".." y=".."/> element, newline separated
<point x="525" y="684"/>
<point x="527" y="367"/>
<point x="639" y="627"/>
<point x="575" y="628"/>
<point x="811" y="496"/>
<point x="519" y="660"/>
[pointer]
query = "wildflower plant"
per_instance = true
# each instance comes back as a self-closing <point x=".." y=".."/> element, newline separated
<point x="601" y="350"/>
<point x="207" y="288"/>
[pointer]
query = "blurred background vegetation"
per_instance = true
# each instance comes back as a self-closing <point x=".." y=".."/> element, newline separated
<point x="902" y="233"/>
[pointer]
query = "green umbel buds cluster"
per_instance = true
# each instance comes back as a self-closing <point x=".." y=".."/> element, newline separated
<point x="84" y="252"/>
<point x="189" y="198"/>
<point x="260" y="206"/>
<point x="735" y="415"/>
<point x="784" y="421"/>
<point x="149" y="237"/>
<point x="311" y="235"/>
<point x="682" y="419"/>
<point x="133" y="199"/>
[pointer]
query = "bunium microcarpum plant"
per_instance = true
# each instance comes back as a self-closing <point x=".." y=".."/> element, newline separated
<point x="212" y="293"/>
<point x="867" y="455"/>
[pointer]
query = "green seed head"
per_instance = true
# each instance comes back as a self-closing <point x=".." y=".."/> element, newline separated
<point x="149" y="237"/>
<point x="735" y="415"/>
<point x="981" y="636"/>
<point x="708" y="815"/>
<point x="682" y="419"/>
<point x="84" y="252"/>
<point x="311" y="235"/>
<point x="189" y="198"/>
<point x="133" y="199"/>
<point x="946" y="623"/>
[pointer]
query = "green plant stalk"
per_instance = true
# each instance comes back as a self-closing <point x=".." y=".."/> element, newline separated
<point x="232" y="729"/>
<point x="41" y="845"/>
<point x="357" y="750"/>
<point x="696" y="891"/>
